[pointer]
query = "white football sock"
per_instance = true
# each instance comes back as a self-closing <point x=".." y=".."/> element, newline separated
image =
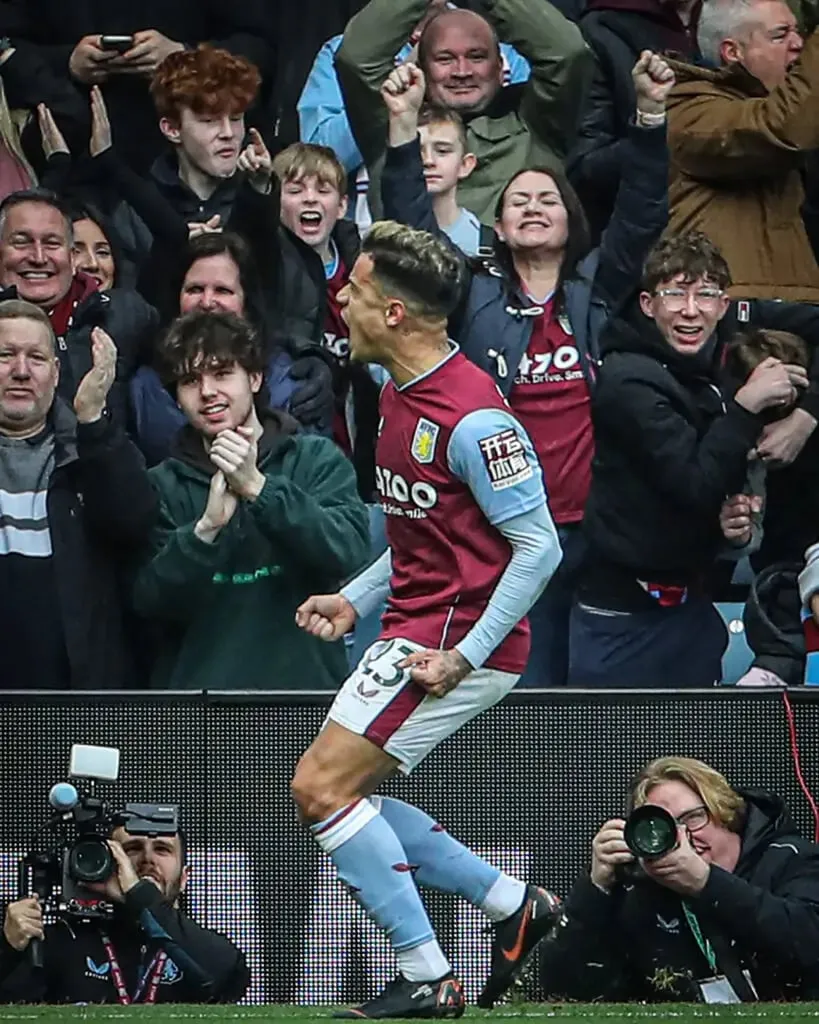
<point x="504" y="898"/>
<point x="423" y="963"/>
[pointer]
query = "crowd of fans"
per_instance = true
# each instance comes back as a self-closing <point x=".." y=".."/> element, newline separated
<point x="186" y="450"/>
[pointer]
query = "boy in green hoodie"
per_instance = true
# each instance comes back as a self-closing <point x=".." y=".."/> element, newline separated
<point x="254" y="518"/>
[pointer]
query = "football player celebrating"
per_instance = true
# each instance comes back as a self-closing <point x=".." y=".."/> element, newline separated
<point x="471" y="547"/>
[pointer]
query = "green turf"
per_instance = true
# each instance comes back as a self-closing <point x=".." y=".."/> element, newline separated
<point x="674" y="1013"/>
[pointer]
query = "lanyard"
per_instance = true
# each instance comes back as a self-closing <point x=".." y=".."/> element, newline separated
<point x="705" y="946"/>
<point x="154" y="970"/>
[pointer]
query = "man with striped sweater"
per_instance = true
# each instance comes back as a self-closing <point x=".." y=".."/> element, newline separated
<point x="74" y="497"/>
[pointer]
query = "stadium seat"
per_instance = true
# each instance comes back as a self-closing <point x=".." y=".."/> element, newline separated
<point x="738" y="655"/>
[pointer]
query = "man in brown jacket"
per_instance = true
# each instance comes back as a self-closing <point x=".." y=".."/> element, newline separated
<point x="737" y="138"/>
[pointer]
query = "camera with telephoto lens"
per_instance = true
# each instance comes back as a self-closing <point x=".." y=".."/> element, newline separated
<point x="650" y="832"/>
<point x="70" y="851"/>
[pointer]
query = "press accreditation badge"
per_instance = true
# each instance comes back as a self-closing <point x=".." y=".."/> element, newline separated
<point x="718" y="990"/>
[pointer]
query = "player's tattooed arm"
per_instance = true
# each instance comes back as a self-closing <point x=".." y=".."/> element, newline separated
<point x="438" y="672"/>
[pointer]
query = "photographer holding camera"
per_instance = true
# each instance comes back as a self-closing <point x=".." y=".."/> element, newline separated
<point x="705" y="893"/>
<point x="147" y="950"/>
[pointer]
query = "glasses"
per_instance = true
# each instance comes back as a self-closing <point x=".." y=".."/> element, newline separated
<point x="676" y="299"/>
<point x="695" y="819"/>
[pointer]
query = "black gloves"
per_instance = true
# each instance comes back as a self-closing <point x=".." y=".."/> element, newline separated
<point x="312" y="403"/>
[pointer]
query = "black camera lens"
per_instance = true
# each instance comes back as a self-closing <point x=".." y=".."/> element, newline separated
<point x="650" y="832"/>
<point x="90" y="860"/>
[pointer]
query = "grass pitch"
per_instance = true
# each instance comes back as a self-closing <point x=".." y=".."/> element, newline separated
<point x="598" y="1013"/>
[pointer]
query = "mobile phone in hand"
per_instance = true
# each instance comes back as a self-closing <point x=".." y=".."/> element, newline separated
<point x="121" y="44"/>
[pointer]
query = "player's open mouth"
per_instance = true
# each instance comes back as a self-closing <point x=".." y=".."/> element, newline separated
<point x="310" y="219"/>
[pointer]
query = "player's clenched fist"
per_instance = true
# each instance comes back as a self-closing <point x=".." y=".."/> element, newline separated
<point x="437" y="672"/>
<point x="327" y="616"/>
<point x="24" y="922"/>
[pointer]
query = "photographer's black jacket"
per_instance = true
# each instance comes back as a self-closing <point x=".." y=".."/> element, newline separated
<point x="635" y="944"/>
<point x="202" y="966"/>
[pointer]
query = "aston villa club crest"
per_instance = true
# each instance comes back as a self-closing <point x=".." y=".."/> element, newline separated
<point x="424" y="440"/>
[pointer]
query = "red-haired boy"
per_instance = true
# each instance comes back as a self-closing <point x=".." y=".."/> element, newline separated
<point x="201" y="97"/>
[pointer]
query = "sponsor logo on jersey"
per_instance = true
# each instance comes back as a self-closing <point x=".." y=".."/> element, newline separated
<point x="414" y="498"/>
<point x="337" y="347"/>
<point x="505" y="459"/>
<point x="550" y="367"/>
<point x="424" y="440"/>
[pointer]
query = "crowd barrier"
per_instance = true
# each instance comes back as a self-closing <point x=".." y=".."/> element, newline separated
<point x="526" y="785"/>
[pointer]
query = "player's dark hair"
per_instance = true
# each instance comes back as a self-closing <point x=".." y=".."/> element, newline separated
<point x="415" y="266"/>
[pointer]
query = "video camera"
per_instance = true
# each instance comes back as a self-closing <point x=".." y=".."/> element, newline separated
<point x="70" y="850"/>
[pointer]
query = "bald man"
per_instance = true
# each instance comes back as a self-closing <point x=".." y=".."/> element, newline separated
<point x="471" y="81"/>
<point x="459" y="52"/>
